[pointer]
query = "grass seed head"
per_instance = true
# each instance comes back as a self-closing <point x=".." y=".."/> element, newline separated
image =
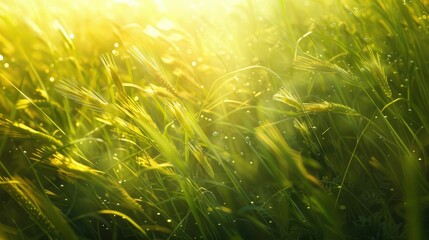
<point x="374" y="65"/>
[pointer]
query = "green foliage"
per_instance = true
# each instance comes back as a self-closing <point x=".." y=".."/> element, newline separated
<point x="214" y="120"/>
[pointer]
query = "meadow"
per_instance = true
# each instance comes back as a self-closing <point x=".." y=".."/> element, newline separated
<point x="235" y="119"/>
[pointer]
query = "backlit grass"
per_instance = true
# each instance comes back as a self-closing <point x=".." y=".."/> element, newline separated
<point x="214" y="119"/>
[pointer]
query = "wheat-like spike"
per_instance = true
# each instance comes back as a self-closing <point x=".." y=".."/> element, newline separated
<point x="149" y="163"/>
<point x="66" y="165"/>
<point x="311" y="63"/>
<point x="69" y="166"/>
<point x="180" y="113"/>
<point x="287" y="97"/>
<point x="154" y="90"/>
<point x="135" y="112"/>
<point x="153" y="69"/>
<point x="11" y="186"/>
<point x="82" y="95"/>
<point x="302" y="127"/>
<point x="109" y="62"/>
<point x="71" y="169"/>
<point x="202" y="159"/>
<point x="374" y="65"/>
<point x="20" y="130"/>
<point x="326" y="106"/>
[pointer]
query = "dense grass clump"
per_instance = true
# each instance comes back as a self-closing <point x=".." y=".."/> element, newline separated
<point x="214" y="119"/>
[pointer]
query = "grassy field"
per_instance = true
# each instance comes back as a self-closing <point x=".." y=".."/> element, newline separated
<point x="280" y="119"/>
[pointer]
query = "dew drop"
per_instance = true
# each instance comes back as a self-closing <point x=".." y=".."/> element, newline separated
<point x="115" y="52"/>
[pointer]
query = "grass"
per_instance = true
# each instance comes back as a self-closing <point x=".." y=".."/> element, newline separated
<point x="207" y="120"/>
